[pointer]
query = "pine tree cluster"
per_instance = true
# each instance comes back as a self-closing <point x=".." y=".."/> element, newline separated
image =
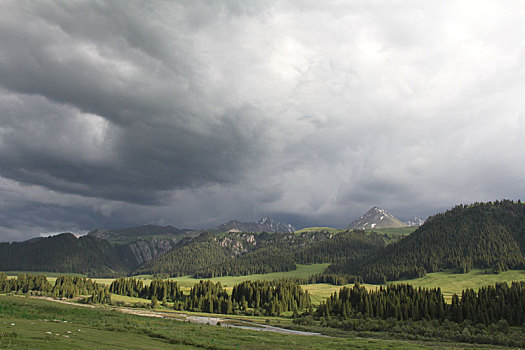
<point x="163" y="290"/>
<point x="64" y="287"/>
<point x="404" y="302"/>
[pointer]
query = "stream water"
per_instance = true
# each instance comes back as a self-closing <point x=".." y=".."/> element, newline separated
<point x="249" y="325"/>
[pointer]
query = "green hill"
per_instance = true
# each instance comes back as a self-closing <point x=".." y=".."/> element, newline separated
<point x="345" y="246"/>
<point x="187" y="257"/>
<point x="242" y="253"/>
<point x="64" y="253"/>
<point x="144" y="232"/>
<point x="482" y="235"/>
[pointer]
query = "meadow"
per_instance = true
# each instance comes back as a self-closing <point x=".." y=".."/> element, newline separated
<point x="28" y="323"/>
<point x="449" y="281"/>
<point x="319" y="229"/>
<point x="186" y="282"/>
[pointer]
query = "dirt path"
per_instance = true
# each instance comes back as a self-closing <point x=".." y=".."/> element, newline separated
<point x="61" y="301"/>
<point x="226" y="322"/>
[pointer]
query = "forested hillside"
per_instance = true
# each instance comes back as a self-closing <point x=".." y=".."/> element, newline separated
<point x="207" y="255"/>
<point x="482" y="235"/>
<point x="236" y="254"/>
<point x="130" y="234"/>
<point x="264" y="260"/>
<point x="64" y="253"/>
<point x="353" y="245"/>
<point x="187" y="257"/>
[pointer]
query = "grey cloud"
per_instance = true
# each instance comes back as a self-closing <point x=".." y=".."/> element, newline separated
<point x="193" y="112"/>
<point x="159" y="131"/>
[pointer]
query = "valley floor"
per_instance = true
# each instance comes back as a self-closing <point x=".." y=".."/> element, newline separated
<point x="27" y="323"/>
<point x="448" y="281"/>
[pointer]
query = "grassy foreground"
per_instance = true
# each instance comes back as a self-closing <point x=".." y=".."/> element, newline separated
<point x="27" y="323"/>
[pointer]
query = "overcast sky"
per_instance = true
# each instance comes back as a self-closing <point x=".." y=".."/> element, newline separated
<point x="192" y="113"/>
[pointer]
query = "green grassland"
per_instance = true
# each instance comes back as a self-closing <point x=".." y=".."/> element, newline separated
<point x="39" y="324"/>
<point x="129" y="300"/>
<point x="451" y="282"/>
<point x="104" y="327"/>
<point x="319" y="229"/>
<point x="448" y="281"/>
<point x="320" y="291"/>
<point x="186" y="282"/>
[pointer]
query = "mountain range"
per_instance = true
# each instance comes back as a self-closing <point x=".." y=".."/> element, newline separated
<point x="266" y="224"/>
<point x="482" y="235"/>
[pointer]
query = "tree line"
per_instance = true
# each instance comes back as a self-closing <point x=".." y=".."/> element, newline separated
<point x="257" y="297"/>
<point x="163" y="290"/>
<point x="335" y="279"/>
<point x="404" y="302"/>
<point x="64" y="287"/>
<point x="65" y="253"/>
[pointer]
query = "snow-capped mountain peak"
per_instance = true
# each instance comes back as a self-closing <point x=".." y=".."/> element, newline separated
<point x="376" y="218"/>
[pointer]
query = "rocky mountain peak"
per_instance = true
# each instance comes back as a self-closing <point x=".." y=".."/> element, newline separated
<point x="415" y="221"/>
<point x="265" y="224"/>
<point x="376" y="218"/>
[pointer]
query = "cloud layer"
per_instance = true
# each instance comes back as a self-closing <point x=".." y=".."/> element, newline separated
<point x="191" y="112"/>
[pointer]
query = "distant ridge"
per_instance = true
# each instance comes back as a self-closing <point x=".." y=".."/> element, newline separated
<point x="415" y="221"/>
<point x="65" y="253"/>
<point x="144" y="242"/>
<point x="376" y="218"/>
<point x="130" y="234"/>
<point x="266" y="224"/>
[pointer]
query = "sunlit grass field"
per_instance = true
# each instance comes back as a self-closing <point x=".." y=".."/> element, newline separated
<point x="27" y="323"/>
<point x="448" y="281"/>
<point x="451" y="282"/>
<point x="318" y="229"/>
<point x="302" y="271"/>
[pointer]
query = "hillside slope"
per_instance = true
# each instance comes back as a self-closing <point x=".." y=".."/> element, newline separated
<point x="236" y="253"/>
<point x="482" y="235"/>
<point x="144" y="232"/>
<point x="65" y="253"/>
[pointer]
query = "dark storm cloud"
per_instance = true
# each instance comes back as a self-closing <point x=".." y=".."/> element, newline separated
<point x="190" y="113"/>
<point x="135" y="84"/>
